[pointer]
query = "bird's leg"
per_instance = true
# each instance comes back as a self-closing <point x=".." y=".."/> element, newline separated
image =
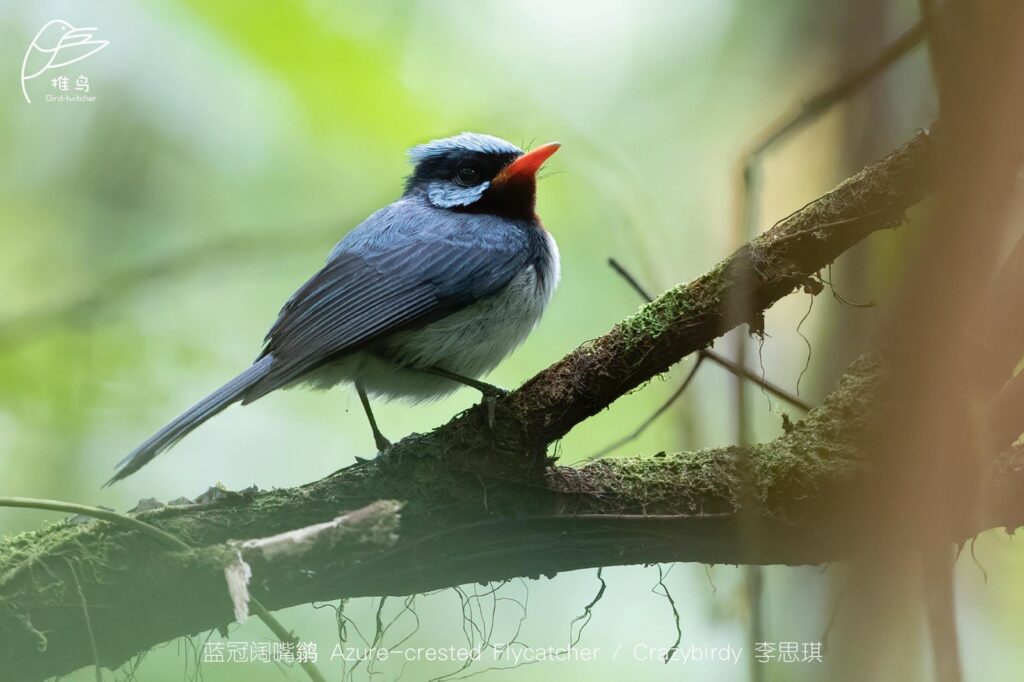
<point x="382" y="443"/>
<point x="490" y="391"/>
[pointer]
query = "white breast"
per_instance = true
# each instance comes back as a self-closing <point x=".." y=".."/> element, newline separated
<point x="470" y="342"/>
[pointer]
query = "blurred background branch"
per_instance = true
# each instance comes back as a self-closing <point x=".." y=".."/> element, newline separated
<point x="702" y="354"/>
<point x="83" y="306"/>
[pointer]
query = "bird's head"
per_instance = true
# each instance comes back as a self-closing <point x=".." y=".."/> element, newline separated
<point x="478" y="173"/>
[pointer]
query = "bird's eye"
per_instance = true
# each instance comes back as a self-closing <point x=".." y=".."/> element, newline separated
<point x="467" y="176"/>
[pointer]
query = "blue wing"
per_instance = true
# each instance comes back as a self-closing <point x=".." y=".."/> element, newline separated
<point x="405" y="265"/>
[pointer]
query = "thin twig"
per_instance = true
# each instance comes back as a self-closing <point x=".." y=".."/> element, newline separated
<point x="637" y="287"/>
<point x="261" y="611"/>
<point x="818" y="103"/>
<point x="714" y="356"/>
<point x="96" y="513"/>
<point x="670" y="652"/>
<point x="88" y="621"/>
<point x="588" y="611"/>
<point x="85" y="305"/>
<point x="650" y="420"/>
<point x="738" y="370"/>
<point x="702" y="354"/>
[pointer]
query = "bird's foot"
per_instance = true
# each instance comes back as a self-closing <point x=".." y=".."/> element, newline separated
<point x="492" y="391"/>
<point x="382" y="443"/>
<point x="490" y="399"/>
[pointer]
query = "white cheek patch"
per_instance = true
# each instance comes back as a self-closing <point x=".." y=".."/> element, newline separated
<point x="447" y="194"/>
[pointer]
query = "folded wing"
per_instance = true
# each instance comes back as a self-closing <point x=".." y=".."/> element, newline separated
<point x="364" y="294"/>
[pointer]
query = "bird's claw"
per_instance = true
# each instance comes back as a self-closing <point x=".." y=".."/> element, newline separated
<point x="383" y="445"/>
<point x="490" y="400"/>
<point x="494" y="392"/>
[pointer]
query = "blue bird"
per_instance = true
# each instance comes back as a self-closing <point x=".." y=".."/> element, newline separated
<point x="424" y="296"/>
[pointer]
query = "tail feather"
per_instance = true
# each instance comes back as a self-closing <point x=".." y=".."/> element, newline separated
<point x="181" y="426"/>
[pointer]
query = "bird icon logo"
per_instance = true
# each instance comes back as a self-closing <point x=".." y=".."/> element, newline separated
<point x="57" y="44"/>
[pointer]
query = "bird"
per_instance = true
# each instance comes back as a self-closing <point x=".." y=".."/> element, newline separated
<point x="423" y="297"/>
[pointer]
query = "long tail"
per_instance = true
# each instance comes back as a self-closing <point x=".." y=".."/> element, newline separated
<point x="227" y="394"/>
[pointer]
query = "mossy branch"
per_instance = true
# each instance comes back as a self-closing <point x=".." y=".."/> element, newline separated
<point x="683" y="320"/>
<point x="484" y="504"/>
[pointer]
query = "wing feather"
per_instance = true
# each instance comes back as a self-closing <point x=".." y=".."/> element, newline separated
<point x="363" y="294"/>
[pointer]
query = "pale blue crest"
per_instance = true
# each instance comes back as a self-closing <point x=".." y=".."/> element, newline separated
<point x="474" y="142"/>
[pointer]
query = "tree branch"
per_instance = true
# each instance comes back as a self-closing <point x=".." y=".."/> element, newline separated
<point x="484" y="504"/>
<point x="684" y="319"/>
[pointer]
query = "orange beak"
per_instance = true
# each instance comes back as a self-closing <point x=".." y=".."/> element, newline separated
<point x="527" y="165"/>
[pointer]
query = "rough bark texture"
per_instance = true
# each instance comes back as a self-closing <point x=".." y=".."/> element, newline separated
<point x="683" y="320"/>
<point x="485" y="504"/>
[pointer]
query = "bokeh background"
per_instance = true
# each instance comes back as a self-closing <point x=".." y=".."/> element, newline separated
<point x="148" y="238"/>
